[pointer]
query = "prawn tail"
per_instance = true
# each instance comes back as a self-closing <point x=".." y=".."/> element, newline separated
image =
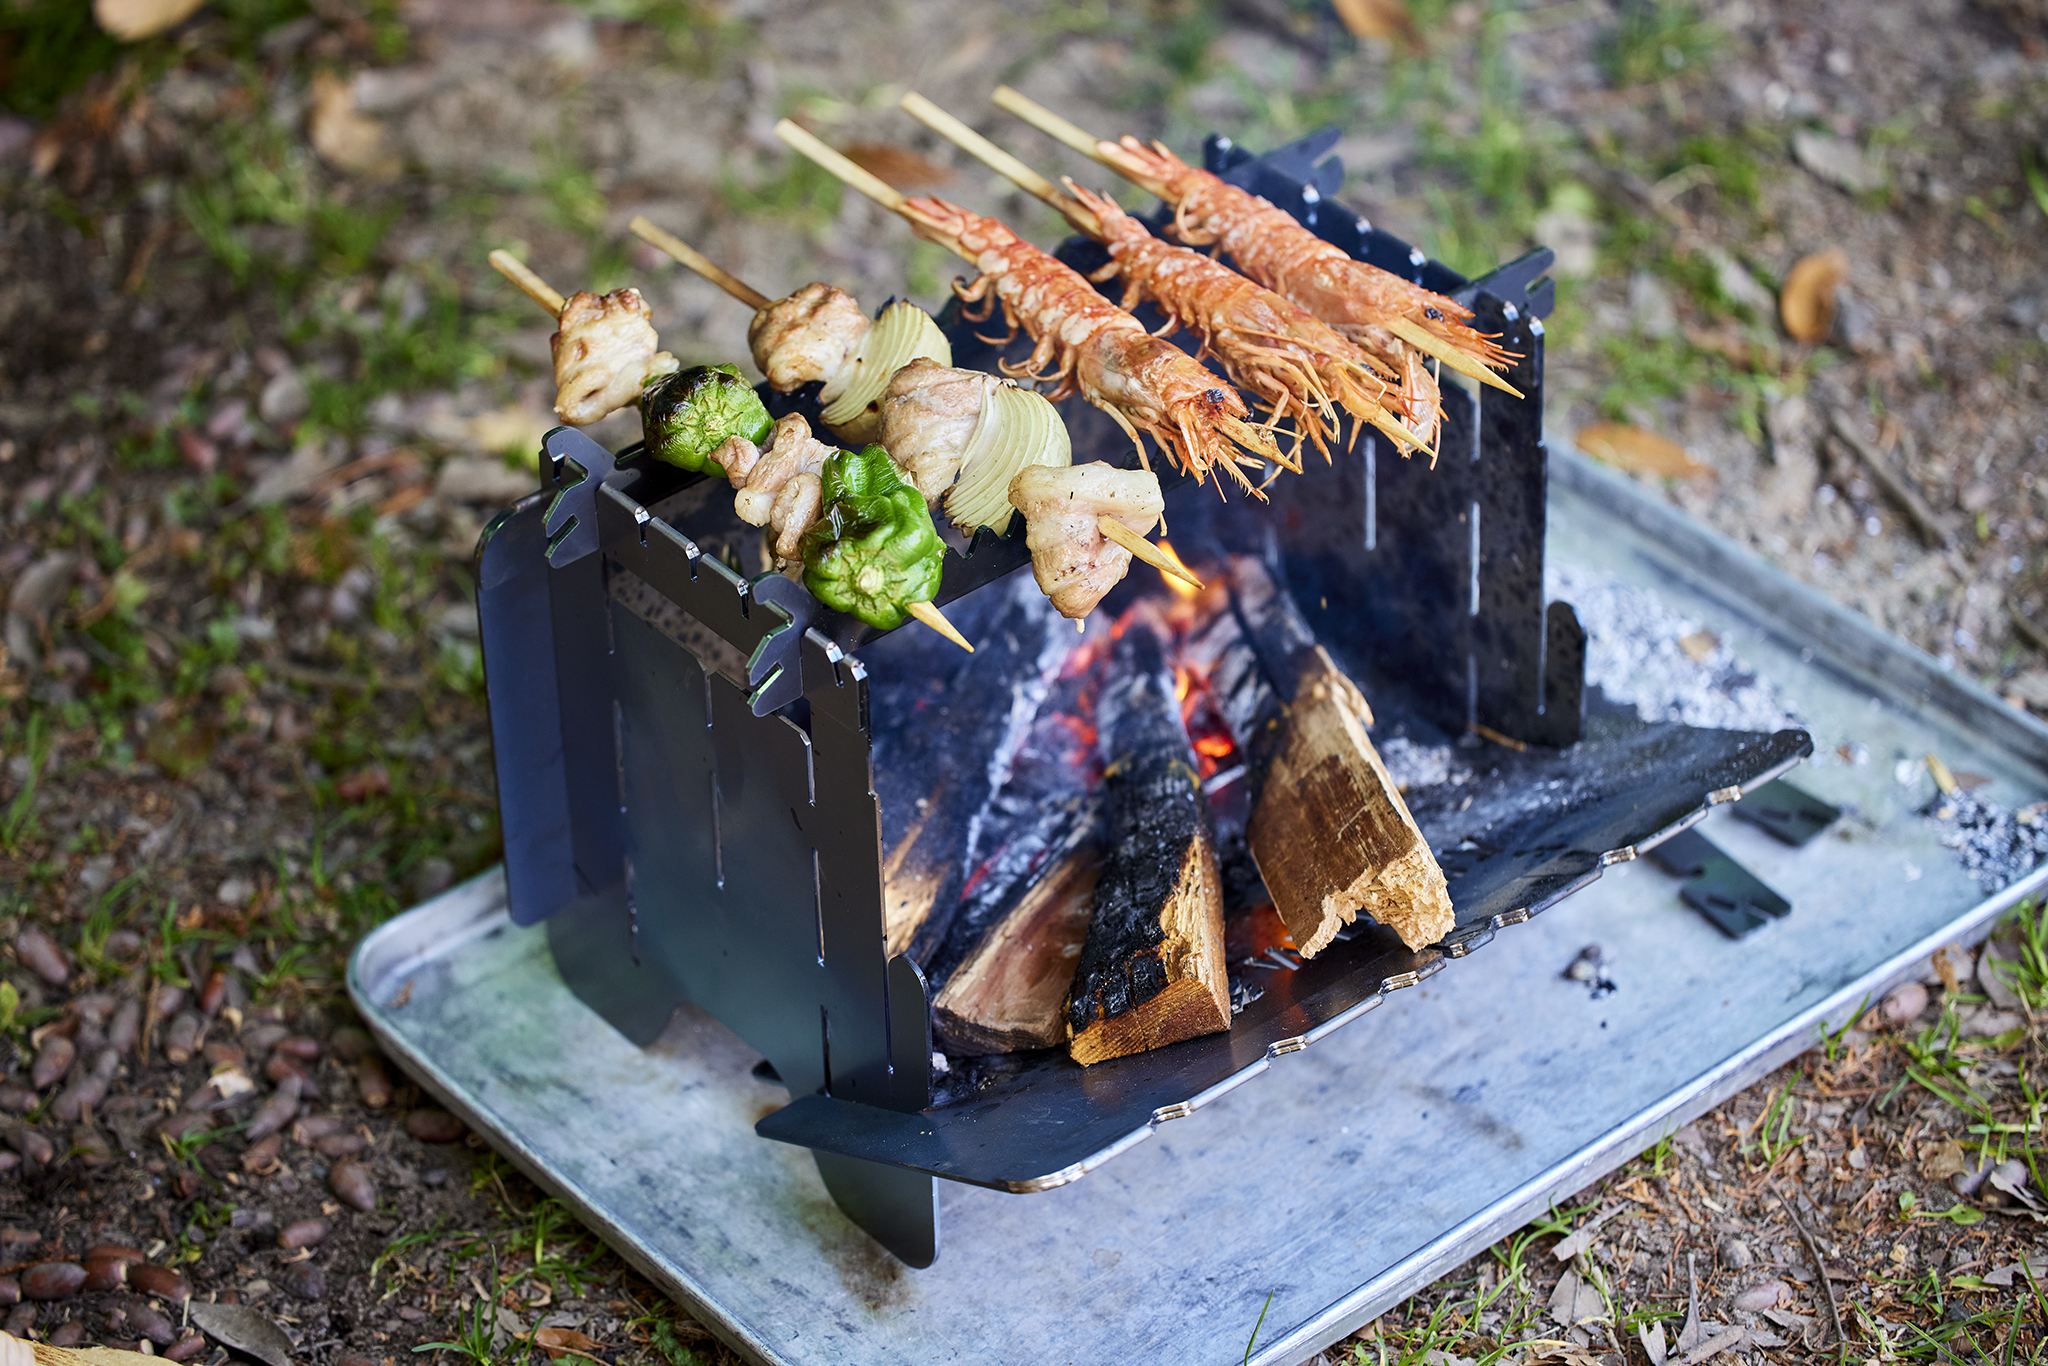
<point x="1483" y="347"/>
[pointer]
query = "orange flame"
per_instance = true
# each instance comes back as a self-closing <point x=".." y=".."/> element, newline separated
<point x="1181" y="587"/>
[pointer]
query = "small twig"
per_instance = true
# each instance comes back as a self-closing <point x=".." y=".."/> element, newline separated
<point x="1820" y="1268"/>
<point x="1895" y="484"/>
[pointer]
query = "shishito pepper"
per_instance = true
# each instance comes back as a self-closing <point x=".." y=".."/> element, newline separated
<point x="874" y="550"/>
<point x="689" y="414"/>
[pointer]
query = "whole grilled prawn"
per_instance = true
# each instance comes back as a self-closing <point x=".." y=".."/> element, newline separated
<point x="1270" y="245"/>
<point x="1268" y="344"/>
<point x="1092" y="347"/>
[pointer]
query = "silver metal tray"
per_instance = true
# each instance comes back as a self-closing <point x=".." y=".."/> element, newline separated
<point x="1358" y="1169"/>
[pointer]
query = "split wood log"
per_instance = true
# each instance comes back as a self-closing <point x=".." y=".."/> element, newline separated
<point x="1329" y="831"/>
<point x="1001" y="980"/>
<point x="1152" y="969"/>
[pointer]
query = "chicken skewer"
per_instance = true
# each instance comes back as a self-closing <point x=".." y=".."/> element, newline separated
<point x="1089" y="344"/>
<point x="1269" y="344"/>
<point x="792" y="454"/>
<point x="1271" y="247"/>
<point x="904" y="393"/>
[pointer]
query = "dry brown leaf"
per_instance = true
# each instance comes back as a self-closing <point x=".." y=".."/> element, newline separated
<point x="134" y="20"/>
<point x="344" y="136"/>
<point x="561" y="1342"/>
<point x="1379" y="19"/>
<point x="899" y="166"/>
<point x="1637" y="451"/>
<point x="1699" y="645"/>
<point x="1807" y="302"/>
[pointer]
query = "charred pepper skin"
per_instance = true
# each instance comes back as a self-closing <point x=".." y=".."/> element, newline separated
<point x="874" y="550"/>
<point x="690" y="413"/>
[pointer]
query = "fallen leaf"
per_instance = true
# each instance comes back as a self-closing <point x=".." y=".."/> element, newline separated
<point x="561" y="1342"/>
<point x="1652" y="1337"/>
<point x="899" y="166"/>
<point x="1387" y="19"/>
<point x="1765" y="1295"/>
<point x="1582" y="1237"/>
<point x="1574" y="1301"/>
<point x="344" y="136"/>
<point x="46" y="1355"/>
<point x="133" y="20"/>
<point x="1637" y="451"/>
<point x="1807" y="302"/>
<point x="243" y="1329"/>
<point x="2030" y="1268"/>
<point x="1727" y="1340"/>
<point x="1699" y="646"/>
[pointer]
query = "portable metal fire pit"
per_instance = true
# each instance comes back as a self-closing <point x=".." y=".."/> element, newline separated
<point x="688" y="838"/>
<point x="694" y="767"/>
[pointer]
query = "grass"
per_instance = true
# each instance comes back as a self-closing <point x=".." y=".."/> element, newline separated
<point x="1656" y="40"/>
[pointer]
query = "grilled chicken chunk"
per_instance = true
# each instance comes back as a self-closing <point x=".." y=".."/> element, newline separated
<point x="810" y="335"/>
<point x="604" y="347"/>
<point x="929" y="414"/>
<point x="778" y="483"/>
<point x="1074" y="563"/>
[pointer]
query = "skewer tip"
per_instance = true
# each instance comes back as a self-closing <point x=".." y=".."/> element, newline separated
<point x="1143" y="549"/>
<point x="932" y="617"/>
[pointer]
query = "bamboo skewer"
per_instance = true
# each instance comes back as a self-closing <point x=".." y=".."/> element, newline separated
<point x="699" y="262"/>
<point x="1151" y="554"/>
<point x="1106" y="152"/>
<point x="1001" y="162"/>
<point x="535" y="288"/>
<point x="854" y="174"/>
<point x="952" y="128"/>
<point x="538" y="290"/>
<point x="932" y="617"/>
<point x="1072" y="209"/>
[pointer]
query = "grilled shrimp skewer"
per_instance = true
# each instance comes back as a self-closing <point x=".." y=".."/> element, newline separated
<point x="1270" y="246"/>
<point x="929" y="411"/>
<point x="778" y="487"/>
<point x="1269" y="345"/>
<point x="1083" y="340"/>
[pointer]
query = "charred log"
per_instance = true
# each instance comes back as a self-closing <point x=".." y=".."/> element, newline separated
<point x="1152" y="968"/>
<point x="1329" y="830"/>
<point x="945" y="730"/>
<point x="1002" y="977"/>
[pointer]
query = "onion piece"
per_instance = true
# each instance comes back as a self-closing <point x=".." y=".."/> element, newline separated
<point x="1018" y="428"/>
<point x="853" y="398"/>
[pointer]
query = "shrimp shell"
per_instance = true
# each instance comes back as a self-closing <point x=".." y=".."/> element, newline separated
<point x="1269" y="345"/>
<point x="1271" y="246"/>
<point x="1088" y="345"/>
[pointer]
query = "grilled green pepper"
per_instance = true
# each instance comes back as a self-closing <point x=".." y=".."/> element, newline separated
<point x="874" y="550"/>
<point x="689" y="414"/>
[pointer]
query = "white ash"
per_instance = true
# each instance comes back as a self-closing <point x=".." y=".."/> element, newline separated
<point x="1635" y="655"/>
<point x="1997" y="845"/>
<point x="1411" y="765"/>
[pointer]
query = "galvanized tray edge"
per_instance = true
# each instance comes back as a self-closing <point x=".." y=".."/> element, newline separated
<point x="409" y="938"/>
<point x="1614" y="1149"/>
<point x="1736" y="576"/>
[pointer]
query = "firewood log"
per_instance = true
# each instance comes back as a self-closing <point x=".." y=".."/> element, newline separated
<point x="1001" y="982"/>
<point x="1152" y="969"/>
<point x="942" y="745"/>
<point x="1329" y="830"/>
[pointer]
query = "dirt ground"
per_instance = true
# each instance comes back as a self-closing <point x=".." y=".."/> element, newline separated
<point x="258" y="393"/>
